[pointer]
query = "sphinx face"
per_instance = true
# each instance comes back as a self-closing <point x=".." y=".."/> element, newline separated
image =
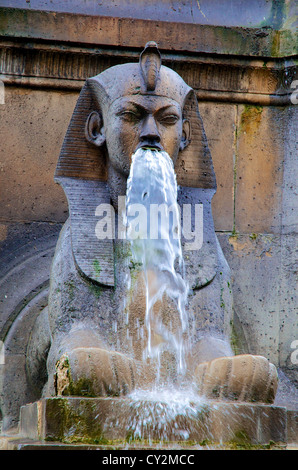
<point x="145" y="121"/>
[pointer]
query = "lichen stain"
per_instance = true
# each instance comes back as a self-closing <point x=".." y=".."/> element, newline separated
<point x="237" y="244"/>
<point x="250" y="120"/>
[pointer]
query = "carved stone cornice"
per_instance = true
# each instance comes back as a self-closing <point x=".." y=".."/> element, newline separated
<point x="214" y="77"/>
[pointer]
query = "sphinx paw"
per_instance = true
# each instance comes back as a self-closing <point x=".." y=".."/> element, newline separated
<point x="94" y="372"/>
<point x="245" y="378"/>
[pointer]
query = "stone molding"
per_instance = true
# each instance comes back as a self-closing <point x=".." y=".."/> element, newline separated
<point x="215" y="78"/>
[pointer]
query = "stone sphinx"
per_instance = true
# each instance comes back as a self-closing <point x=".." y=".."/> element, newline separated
<point x="89" y="334"/>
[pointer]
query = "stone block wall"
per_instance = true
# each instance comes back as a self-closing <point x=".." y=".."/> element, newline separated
<point x="253" y="148"/>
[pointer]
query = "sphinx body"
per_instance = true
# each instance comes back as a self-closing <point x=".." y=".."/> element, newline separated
<point x="93" y="322"/>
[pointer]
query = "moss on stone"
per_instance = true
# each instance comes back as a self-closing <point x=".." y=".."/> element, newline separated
<point x="96" y="267"/>
<point x="95" y="289"/>
<point x="87" y="429"/>
<point x="253" y="236"/>
<point x="82" y="388"/>
<point x="70" y="288"/>
<point x="234" y="341"/>
<point x="250" y="119"/>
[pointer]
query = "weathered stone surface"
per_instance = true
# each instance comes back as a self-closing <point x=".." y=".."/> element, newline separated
<point x="265" y="299"/>
<point x="178" y="35"/>
<point x="29" y="154"/>
<point x="290" y="172"/>
<point x="202" y="13"/>
<point x="72" y="420"/>
<point x="259" y="161"/>
<point x="256" y="307"/>
<point x="94" y="257"/>
<point x="292" y="425"/>
<point x="25" y="259"/>
<point x="219" y="123"/>
<point x="288" y="301"/>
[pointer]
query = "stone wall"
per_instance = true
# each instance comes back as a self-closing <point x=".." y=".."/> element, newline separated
<point x="242" y="76"/>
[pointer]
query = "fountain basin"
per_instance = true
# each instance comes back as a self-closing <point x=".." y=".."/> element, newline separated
<point x="75" y="420"/>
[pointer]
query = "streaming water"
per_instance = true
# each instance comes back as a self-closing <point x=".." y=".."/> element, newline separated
<point x="163" y="410"/>
<point x="153" y="227"/>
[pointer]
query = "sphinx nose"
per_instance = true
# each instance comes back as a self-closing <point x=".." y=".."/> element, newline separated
<point x="149" y="131"/>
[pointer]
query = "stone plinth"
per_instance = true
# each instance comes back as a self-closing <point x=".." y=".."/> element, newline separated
<point x="92" y="421"/>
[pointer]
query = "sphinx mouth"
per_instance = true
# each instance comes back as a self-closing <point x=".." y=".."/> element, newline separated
<point x="148" y="146"/>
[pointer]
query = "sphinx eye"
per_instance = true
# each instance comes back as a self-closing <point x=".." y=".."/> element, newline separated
<point x="129" y="115"/>
<point x="169" y="119"/>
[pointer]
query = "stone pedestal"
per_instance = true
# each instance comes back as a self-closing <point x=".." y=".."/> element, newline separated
<point x="116" y="421"/>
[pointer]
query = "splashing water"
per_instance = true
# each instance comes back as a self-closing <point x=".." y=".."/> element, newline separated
<point x="165" y="414"/>
<point x="153" y="227"/>
<point x="161" y="415"/>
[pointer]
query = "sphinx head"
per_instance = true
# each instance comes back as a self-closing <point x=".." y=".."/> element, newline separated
<point x="129" y="106"/>
<point x="139" y="105"/>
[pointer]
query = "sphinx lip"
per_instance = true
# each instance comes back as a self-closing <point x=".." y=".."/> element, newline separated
<point x="148" y="146"/>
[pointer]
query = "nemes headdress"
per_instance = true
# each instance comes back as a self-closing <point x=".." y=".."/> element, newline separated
<point x="82" y="166"/>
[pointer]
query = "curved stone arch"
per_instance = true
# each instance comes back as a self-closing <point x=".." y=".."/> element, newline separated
<point x="25" y="261"/>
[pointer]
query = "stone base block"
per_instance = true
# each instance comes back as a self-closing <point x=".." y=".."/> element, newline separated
<point x="104" y="421"/>
<point x="292" y="426"/>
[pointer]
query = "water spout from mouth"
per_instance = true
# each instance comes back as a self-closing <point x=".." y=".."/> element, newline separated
<point x="156" y="247"/>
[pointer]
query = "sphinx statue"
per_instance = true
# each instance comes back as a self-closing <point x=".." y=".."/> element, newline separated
<point x="89" y="337"/>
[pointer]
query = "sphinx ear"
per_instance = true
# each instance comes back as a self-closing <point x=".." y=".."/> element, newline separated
<point x="94" y="129"/>
<point x="186" y="131"/>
